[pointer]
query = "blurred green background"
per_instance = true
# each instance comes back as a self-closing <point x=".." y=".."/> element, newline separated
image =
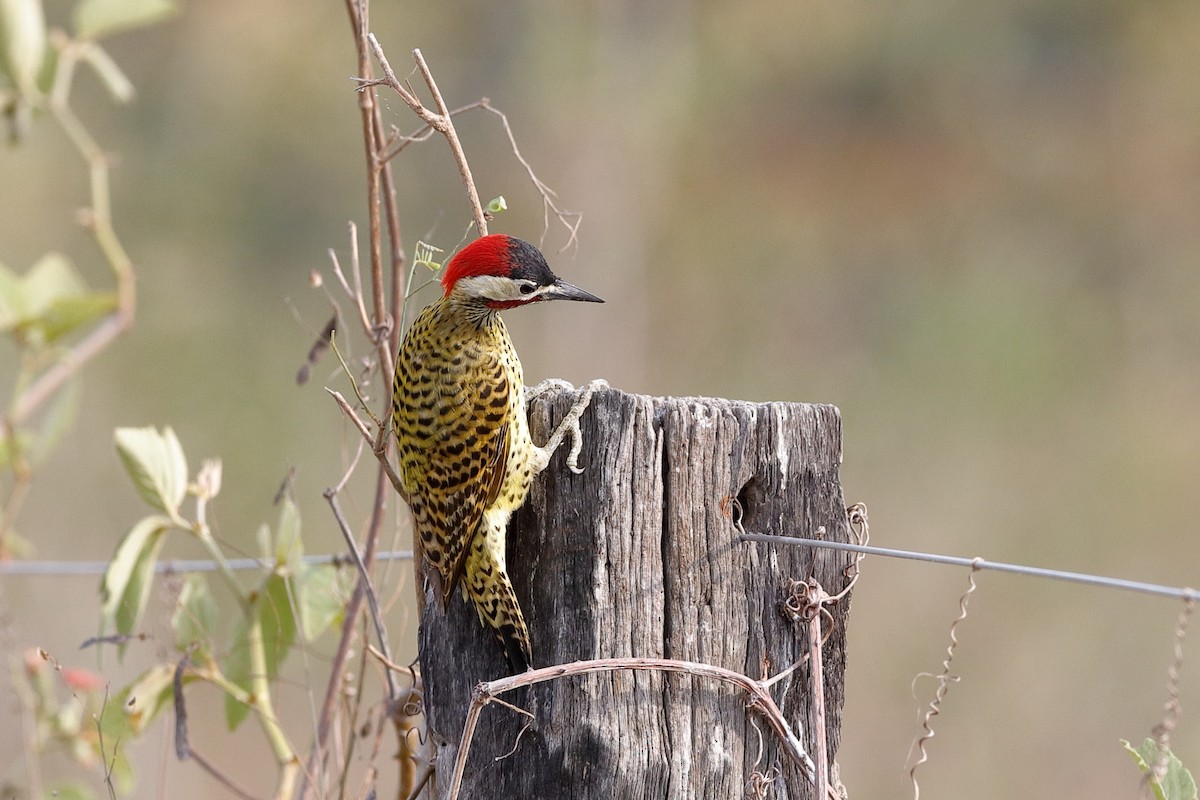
<point x="972" y="227"/>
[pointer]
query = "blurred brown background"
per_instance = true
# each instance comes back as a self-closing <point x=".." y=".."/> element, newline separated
<point x="972" y="227"/>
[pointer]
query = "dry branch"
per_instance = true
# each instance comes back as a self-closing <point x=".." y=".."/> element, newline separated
<point x="757" y="699"/>
<point x="441" y="121"/>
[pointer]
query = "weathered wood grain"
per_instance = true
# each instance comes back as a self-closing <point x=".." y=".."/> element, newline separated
<point x="639" y="556"/>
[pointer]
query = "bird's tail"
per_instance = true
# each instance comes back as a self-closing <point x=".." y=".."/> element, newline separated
<point x="487" y="584"/>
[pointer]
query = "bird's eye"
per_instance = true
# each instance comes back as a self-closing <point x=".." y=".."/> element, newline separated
<point x="527" y="288"/>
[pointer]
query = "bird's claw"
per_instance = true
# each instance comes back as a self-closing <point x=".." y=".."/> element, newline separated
<point x="570" y="423"/>
<point x="576" y="448"/>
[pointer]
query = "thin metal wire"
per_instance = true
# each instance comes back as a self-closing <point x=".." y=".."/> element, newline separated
<point x="71" y="568"/>
<point x="983" y="564"/>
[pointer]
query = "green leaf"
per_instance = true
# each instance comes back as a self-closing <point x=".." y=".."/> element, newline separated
<point x="289" y="550"/>
<point x="195" y="617"/>
<point x="52" y="278"/>
<point x="156" y="464"/>
<point x="321" y="594"/>
<point x="22" y="43"/>
<point x="96" y="18"/>
<point x="125" y="587"/>
<point x="1177" y="783"/>
<point x="67" y="314"/>
<point x="273" y="611"/>
<point x="237" y="670"/>
<point x="49" y="301"/>
<point x="146" y="697"/>
<point x="24" y="299"/>
<point x="278" y="621"/>
<point x="69" y="791"/>
<point x="497" y="205"/>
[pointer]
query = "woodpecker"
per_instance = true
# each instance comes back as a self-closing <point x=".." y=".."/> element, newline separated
<point x="458" y="407"/>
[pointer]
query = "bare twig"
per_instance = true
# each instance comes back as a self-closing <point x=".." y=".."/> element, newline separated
<point x="341" y="654"/>
<point x="440" y="121"/>
<point x="406" y="713"/>
<point x="759" y="699"/>
<point x="451" y="135"/>
<point x="355" y="270"/>
<point x="366" y="106"/>
<point x="365" y="580"/>
<point x="387" y="662"/>
<point x="366" y="434"/>
<point x="570" y="219"/>
<point x="817" y="695"/>
<point x="384" y="333"/>
<point x="354" y="701"/>
<point x="426" y="774"/>
<point x="399" y="142"/>
<point x="220" y="776"/>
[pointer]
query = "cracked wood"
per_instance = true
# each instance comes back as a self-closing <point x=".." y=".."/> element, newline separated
<point x="638" y="556"/>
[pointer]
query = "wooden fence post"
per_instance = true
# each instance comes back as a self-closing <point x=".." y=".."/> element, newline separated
<point x="639" y="556"/>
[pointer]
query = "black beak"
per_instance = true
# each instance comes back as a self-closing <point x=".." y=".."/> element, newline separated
<point x="561" y="290"/>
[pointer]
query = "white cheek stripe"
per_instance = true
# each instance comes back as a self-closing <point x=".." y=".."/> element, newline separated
<point x="491" y="287"/>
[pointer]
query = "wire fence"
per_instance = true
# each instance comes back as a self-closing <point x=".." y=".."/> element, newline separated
<point x="979" y="563"/>
<point x="1161" y="733"/>
<point x="64" y="568"/>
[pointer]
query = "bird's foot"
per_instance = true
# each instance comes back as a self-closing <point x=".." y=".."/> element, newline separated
<point x="570" y="425"/>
